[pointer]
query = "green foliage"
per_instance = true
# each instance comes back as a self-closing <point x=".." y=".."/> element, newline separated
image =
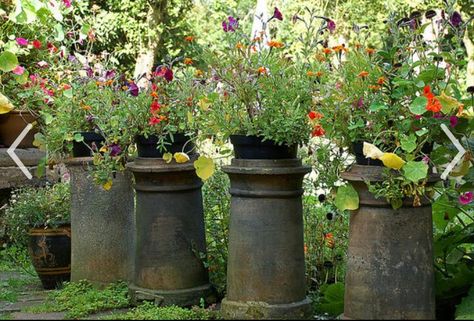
<point x="15" y="257"/>
<point x="12" y="288"/>
<point x="37" y="207"/>
<point x="346" y="198"/>
<point x="149" y="311"/>
<point x="332" y="301"/>
<point x="216" y="211"/>
<point x="80" y="299"/>
<point x="465" y="310"/>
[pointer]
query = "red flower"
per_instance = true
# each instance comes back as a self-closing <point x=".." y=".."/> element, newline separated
<point x="155" y="106"/>
<point x="433" y="104"/>
<point x="52" y="48"/>
<point x="37" y="44"/>
<point x="154" y="120"/>
<point x="318" y="131"/>
<point x="314" y="115"/>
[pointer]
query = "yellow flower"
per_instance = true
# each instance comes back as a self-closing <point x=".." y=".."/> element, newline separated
<point x="199" y="73"/>
<point x="108" y="185"/>
<point x="188" y="61"/>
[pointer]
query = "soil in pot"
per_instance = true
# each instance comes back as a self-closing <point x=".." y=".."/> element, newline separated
<point x="11" y="126"/>
<point x="253" y="147"/>
<point x="148" y="147"/>
<point x="50" y="252"/>
<point x="83" y="149"/>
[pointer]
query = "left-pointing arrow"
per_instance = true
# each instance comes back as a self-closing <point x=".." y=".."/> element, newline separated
<point x="11" y="151"/>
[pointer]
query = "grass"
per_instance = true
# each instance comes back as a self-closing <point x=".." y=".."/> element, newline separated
<point x="80" y="299"/>
<point x="148" y="311"/>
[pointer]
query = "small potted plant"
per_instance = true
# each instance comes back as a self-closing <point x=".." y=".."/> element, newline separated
<point x="397" y="103"/>
<point x="39" y="218"/>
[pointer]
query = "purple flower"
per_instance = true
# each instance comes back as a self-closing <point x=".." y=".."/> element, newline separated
<point x="164" y="72"/>
<point x="359" y="103"/>
<point x="22" y="41"/>
<point x="71" y="58"/>
<point x="114" y="149"/>
<point x="90" y="118"/>
<point x="466" y="198"/>
<point x="437" y="116"/>
<point x="231" y="25"/>
<point x="90" y="72"/>
<point x="277" y="14"/>
<point x="133" y="89"/>
<point x="453" y="121"/>
<point x="109" y="74"/>
<point x="331" y="25"/>
<point x="455" y="19"/>
<point x="426" y="159"/>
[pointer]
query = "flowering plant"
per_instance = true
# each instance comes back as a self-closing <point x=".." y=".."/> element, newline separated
<point x="37" y="207"/>
<point x="396" y="99"/>
<point x="256" y="88"/>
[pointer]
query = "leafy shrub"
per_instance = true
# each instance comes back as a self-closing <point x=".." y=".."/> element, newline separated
<point x="36" y="207"/>
<point x="149" y="311"/>
<point x="81" y="299"/>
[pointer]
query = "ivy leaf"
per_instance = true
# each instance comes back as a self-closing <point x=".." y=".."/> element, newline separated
<point x="415" y="171"/>
<point x="205" y="167"/>
<point x="168" y="157"/>
<point x="8" y="61"/>
<point x="408" y="143"/>
<point x="418" y="106"/>
<point x="347" y="198"/>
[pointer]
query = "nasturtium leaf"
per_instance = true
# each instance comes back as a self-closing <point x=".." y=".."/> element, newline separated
<point x="418" y="106"/>
<point x="376" y="106"/>
<point x="408" y="143"/>
<point x="415" y="171"/>
<point x="78" y="137"/>
<point x="5" y="104"/>
<point x="347" y="198"/>
<point x="168" y="157"/>
<point x="205" y="167"/>
<point x="448" y="104"/>
<point x="8" y="61"/>
<point x="68" y="93"/>
<point x="392" y="161"/>
<point x="181" y="157"/>
<point x="420" y="84"/>
<point x="421" y="132"/>
<point x="443" y="212"/>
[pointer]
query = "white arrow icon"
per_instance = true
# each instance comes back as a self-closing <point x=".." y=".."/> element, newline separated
<point x="11" y="151"/>
<point x="458" y="156"/>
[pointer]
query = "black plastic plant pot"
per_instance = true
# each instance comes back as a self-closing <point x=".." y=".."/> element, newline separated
<point x="50" y="252"/>
<point x="148" y="147"/>
<point x="253" y="147"/>
<point x="357" y="149"/>
<point x="83" y="149"/>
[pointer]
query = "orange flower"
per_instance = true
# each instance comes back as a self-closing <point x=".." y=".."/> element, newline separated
<point x="320" y="57"/>
<point x="109" y="82"/>
<point x="239" y="46"/>
<point x="86" y="107"/>
<point x="433" y="103"/>
<point x="363" y="74"/>
<point x="340" y="48"/>
<point x="380" y="81"/>
<point x="99" y="83"/>
<point x="188" y="61"/>
<point x="370" y="51"/>
<point x="327" y="51"/>
<point x="275" y="44"/>
<point x="198" y="73"/>
<point x="257" y="39"/>
<point x="305" y="249"/>
<point x="262" y="70"/>
<point x="154" y="94"/>
<point x="124" y="88"/>
<point x="375" y="87"/>
<point x="189" y="38"/>
<point x="358" y="45"/>
<point x="310" y="73"/>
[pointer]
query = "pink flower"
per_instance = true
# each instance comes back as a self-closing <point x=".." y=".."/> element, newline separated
<point x="22" y="41"/>
<point x="19" y="70"/>
<point x="277" y="14"/>
<point x="426" y="159"/>
<point x="466" y="198"/>
<point x="453" y="121"/>
<point x="331" y="25"/>
<point x="67" y="3"/>
<point x="42" y="64"/>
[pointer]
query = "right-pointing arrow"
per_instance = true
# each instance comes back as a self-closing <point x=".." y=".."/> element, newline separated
<point x="458" y="156"/>
<point x="11" y="151"/>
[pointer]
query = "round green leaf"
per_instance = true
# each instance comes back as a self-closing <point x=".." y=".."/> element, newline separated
<point x="8" y="61"/>
<point x="204" y="167"/>
<point x="347" y="198"/>
<point x="418" y="106"/>
<point x="414" y="171"/>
